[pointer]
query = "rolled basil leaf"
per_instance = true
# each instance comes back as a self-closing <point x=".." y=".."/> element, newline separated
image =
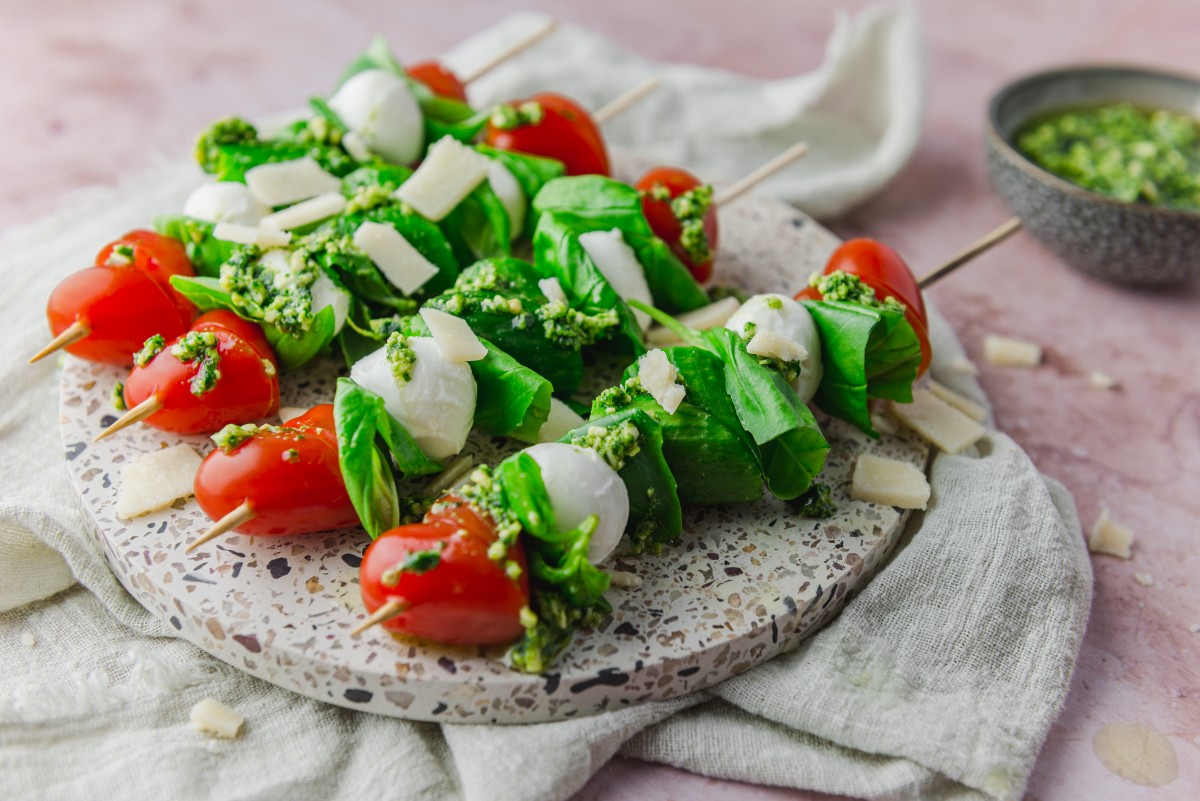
<point x="478" y="227"/>
<point x="514" y="401"/>
<point x="206" y="252"/>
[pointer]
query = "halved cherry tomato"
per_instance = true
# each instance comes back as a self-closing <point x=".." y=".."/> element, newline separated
<point x="252" y="333"/>
<point x="882" y="269"/>
<point x="438" y="78"/>
<point x="158" y="256"/>
<point x="247" y="387"/>
<point x="466" y="599"/>
<point x="566" y="132"/>
<point x="290" y="478"/>
<point x="666" y="225"/>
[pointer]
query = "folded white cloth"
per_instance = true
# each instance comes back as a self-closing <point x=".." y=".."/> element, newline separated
<point x="940" y="680"/>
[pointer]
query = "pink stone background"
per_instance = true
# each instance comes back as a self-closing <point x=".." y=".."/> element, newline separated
<point x="89" y="89"/>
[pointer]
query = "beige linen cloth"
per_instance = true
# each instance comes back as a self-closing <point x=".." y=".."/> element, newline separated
<point x="940" y="680"/>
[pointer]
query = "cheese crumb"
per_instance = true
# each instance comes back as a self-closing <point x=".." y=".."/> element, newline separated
<point x="305" y="212"/>
<point x="453" y="336"/>
<point x="714" y="315"/>
<point x="157" y="479"/>
<point x="259" y="236"/>
<point x="1145" y="579"/>
<point x="1101" y="380"/>
<point x="889" y="482"/>
<point x="938" y="421"/>
<point x="964" y="404"/>
<point x="552" y="289"/>
<point x="212" y="717"/>
<point x="286" y="182"/>
<point x="658" y="378"/>
<point x="28" y="640"/>
<point x="1011" y="352"/>
<point x="405" y="267"/>
<point x="776" y="346"/>
<point x="449" y="173"/>
<point x="1110" y="537"/>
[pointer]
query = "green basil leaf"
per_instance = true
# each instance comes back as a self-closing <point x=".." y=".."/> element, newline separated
<point x="514" y="401"/>
<point x="293" y="352"/>
<point x="478" y="227"/>
<point x="204" y="292"/>
<point x="388" y="176"/>
<point x="207" y="253"/>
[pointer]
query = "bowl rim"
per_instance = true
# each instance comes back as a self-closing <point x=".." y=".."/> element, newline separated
<point x="1019" y="160"/>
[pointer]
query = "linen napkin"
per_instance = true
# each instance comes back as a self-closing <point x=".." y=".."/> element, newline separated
<point x="939" y="680"/>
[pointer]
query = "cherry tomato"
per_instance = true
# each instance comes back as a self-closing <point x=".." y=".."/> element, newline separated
<point x="566" y="132"/>
<point x="252" y="333"/>
<point x="158" y="256"/>
<point x="247" y="387"/>
<point x="466" y="599"/>
<point x="120" y="307"/>
<point x="882" y="269"/>
<point x="290" y="478"/>
<point x="441" y="80"/>
<point x="666" y="225"/>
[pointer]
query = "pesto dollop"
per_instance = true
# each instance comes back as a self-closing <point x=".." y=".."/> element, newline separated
<point x="508" y="116"/>
<point x="614" y="444"/>
<point x="150" y="348"/>
<point x="1131" y="154"/>
<point x="227" y="131"/>
<point x="274" y="287"/>
<point x="200" y="347"/>
<point x="842" y="286"/>
<point x="401" y="357"/>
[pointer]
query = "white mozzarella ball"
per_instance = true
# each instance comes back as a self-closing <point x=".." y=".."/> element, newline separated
<point x="581" y="484"/>
<point x="511" y="196"/>
<point x="436" y="405"/>
<point x="225" y="202"/>
<point x="323" y="290"/>
<point x="381" y="109"/>
<point x="789" y="320"/>
<point x="619" y="265"/>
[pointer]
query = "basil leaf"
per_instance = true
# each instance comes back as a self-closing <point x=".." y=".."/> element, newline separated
<point x="293" y="352"/>
<point x="234" y="161"/>
<point x="514" y="401"/>
<point x="531" y="172"/>
<point x="377" y="56"/>
<point x="478" y="227"/>
<point x="504" y="276"/>
<point x="207" y="253"/>
<point x="204" y="292"/>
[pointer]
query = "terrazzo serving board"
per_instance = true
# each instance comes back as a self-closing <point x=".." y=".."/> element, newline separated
<point x="745" y="583"/>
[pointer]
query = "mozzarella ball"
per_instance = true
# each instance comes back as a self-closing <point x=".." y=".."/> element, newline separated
<point x="619" y="265"/>
<point x="436" y="405"/>
<point x="381" y="109"/>
<point x="225" y="202"/>
<point x="511" y="196"/>
<point x="323" y="290"/>
<point x="789" y="320"/>
<point x="581" y="484"/>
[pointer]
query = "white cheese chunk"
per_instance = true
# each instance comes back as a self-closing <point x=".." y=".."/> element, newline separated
<point x="212" y="717"/>
<point x="157" y="479"/>
<point x="449" y="173"/>
<point x="781" y="315"/>
<point x="306" y="212"/>
<point x="1145" y="579"/>
<point x="1011" y="352"/>
<point x="964" y="404"/>
<point x="770" y="345"/>
<point x="225" y="202"/>
<point x="401" y="264"/>
<point x="453" y="336"/>
<point x="938" y="421"/>
<point x="619" y="265"/>
<point x="562" y="419"/>
<point x="245" y="235"/>
<point x="889" y="482"/>
<point x="1101" y="380"/>
<point x="658" y="377"/>
<point x="510" y="194"/>
<point x="356" y="146"/>
<point x="713" y="315"/>
<point x="380" y="108"/>
<point x="552" y="289"/>
<point x="1110" y="537"/>
<point x="286" y="182"/>
<point x="579" y="484"/>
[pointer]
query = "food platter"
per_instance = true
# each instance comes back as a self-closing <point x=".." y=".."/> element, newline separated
<point x="744" y="583"/>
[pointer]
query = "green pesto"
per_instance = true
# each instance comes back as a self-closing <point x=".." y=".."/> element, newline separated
<point x="549" y="630"/>
<point x="291" y="455"/>
<point x="150" y="348"/>
<point x="482" y="279"/>
<point x="200" y="347"/>
<point x="370" y="197"/>
<point x="842" y="286"/>
<point x="486" y="497"/>
<point x="120" y="256"/>
<point x="417" y="562"/>
<point x="282" y="298"/>
<point x="614" y="444"/>
<point x="227" y="131"/>
<point x="774" y="302"/>
<point x="118" y="397"/>
<point x="508" y="116"/>
<point x="690" y="209"/>
<point x="816" y="502"/>
<point x="573" y="328"/>
<point x="614" y="399"/>
<point x="231" y="437"/>
<point x="401" y="357"/>
<point x="1135" y="155"/>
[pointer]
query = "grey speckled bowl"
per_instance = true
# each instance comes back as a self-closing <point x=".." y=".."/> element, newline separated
<point x="1133" y="243"/>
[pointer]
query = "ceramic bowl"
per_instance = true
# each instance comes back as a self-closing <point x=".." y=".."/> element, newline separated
<point x="1133" y="243"/>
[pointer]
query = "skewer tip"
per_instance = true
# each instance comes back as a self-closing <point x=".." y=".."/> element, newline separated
<point x="69" y="336"/>
<point x="389" y="610"/>
<point x="243" y="513"/>
<point x="135" y="415"/>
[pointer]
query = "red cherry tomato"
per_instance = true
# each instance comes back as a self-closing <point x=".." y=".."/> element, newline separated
<point x="158" y="256"/>
<point x="252" y="333"/>
<point x="466" y="599"/>
<point x="290" y="478"/>
<point x="438" y="78"/>
<point x="566" y="132"/>
<point x="666" y="225"/>
<point x="882" y="269"/>
<point x="120" y="307"/>
<point x="246" y="389"/>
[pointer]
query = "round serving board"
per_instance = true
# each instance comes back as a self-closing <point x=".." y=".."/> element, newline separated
<point x="744" y="583"/>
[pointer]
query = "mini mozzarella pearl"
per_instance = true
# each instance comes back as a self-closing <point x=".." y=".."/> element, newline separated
<point x="581" y="484"/>
<point x="790" y="320"/>
<point x="619" y="265"/>
<point x="225" y="202"/>
<point x="381" y="109"/>
<point x="511" y="196"/>
<point x="436" y="405"/>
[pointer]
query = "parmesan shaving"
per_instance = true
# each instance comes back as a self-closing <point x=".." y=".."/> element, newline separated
<point x="212" y="717"/>
<point x="889" y="482"/>
<point x="449" y="173"/>
<point x="658" y="377"/>
<point x="248" y="235"/>
<point x="776" y="346"/>
<point x="552" y="289"/>
<point x="937" y="421"/>
<point x="286" y="182"/>
<point x="453" y="336"/>
<point x="401" y="264"/>
<point x="157" y="479"/>
<point x="1110" y="537"/>
<point x="1010" y="352"/>
<point x="964" y="404"/>
<point x="305" y="212"/>
<point x="356" y="146"/>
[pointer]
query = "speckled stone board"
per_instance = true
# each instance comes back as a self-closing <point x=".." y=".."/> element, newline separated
<point x="744" y="584"/>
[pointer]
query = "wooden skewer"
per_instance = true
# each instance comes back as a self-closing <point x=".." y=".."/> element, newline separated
<point x="135" y="415"/>
<point x="624" y="101"/>
<point x="236" y="517"/>
<point x="761" y="174"/>
<point x="994" y="237"/>
<point x="524" y="43"/>
<point x="389" y="610"/>
<point x="70" y="335"/>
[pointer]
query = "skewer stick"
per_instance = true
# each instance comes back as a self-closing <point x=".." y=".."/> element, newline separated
<point x="524" y="43"/>
<point x="994" y="237"/>
<point x="389" y="610"/>
<point x="70" y="335"/>
<point x="761" y="174"/>
<point x="135" y="415"/>
<point x="236" y="517"/>
<point x="624" y="101"/>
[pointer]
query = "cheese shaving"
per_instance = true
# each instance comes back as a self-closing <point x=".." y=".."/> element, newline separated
<point x="658" y="377"/>
<point x="889" y="482"/>
<point x="964" y="404"/>
<point x="212" y="717"/>
<point x="286" y="182"/>
<point x="250" y="235"/>
<point x="1011" y="352"/>
<point x="1110" y="537"/>
<point x="937" y="421"/>
<point x="776" y="346"/>
<point x="453" y="336"/>
<point x="156" y="479"/>
<point x="449" y="173"/>
<point x="401" y="264"/>
<point x="305" y="212"/>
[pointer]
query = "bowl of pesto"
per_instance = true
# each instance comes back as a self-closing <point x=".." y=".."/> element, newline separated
<point x="1102" y="165"/>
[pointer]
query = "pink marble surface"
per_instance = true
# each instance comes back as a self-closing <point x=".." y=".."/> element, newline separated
<point x="88" y="89"/>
